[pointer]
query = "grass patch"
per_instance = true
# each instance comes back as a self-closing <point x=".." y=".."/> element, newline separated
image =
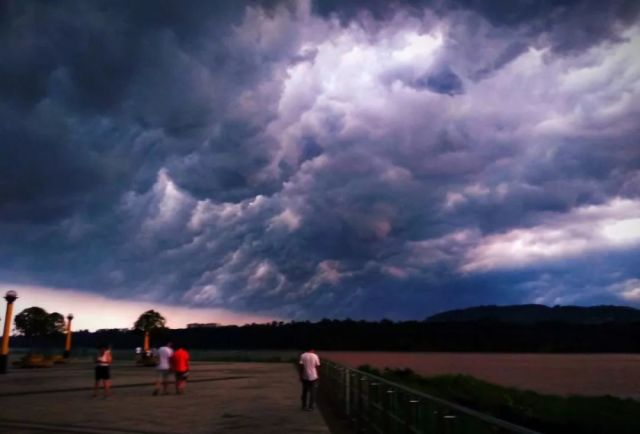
<point x="549" y="414"/>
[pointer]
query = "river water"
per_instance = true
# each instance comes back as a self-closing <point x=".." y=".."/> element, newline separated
<point x="560" y="374"/>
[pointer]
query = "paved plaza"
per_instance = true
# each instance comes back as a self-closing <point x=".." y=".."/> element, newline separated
<point x="221" y="397"/>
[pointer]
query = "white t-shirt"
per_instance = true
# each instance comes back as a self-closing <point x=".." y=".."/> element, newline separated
<point x="309" y="362"/>
<point x="164" y="356"/>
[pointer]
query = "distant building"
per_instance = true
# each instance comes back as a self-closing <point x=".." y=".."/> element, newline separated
<point x="197" y="325"/>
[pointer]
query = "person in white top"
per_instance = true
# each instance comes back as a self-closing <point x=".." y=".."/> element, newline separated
<point x="309" y="362"/>
<point x="163" y="368"/>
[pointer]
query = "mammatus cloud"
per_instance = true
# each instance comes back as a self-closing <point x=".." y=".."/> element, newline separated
<point x="309" y="159"/>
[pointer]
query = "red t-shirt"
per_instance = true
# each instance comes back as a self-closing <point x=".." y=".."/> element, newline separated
<point x="180" y="360"/>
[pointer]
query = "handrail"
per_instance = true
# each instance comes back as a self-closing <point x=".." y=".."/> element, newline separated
<point x="427" y="398"/>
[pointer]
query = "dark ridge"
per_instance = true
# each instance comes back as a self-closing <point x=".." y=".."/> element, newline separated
<point x="537" y="313"/>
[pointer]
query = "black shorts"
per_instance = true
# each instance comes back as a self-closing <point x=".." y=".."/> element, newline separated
<point x="103" y="373"/>
<point x="182" y="375"/>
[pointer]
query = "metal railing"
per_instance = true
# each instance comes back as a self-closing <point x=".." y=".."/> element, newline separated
<point x="376" y="405"/>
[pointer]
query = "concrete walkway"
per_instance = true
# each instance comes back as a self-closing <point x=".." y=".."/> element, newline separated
<point x="221" y="397"/>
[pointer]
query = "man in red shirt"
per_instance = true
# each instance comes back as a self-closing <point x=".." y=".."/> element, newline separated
<point x="180" y="366"/>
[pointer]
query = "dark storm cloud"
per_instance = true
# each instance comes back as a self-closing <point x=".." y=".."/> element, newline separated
<point x="568" y="24"/>
<point x="442" y="81"/>
<point x="109" y="64"/>
<point x="360" y="159"/>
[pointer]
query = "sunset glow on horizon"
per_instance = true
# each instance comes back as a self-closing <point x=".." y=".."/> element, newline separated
<point x="93" y="312"/>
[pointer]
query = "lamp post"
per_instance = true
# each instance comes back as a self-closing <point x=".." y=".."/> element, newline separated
<point x="67" y="346"/>
<point x="146" y="345"/>
<point x="10" y="296"/>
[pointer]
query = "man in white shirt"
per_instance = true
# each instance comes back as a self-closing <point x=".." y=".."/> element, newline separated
<point x="309" y="362"/>
<point x="163" y="368"/>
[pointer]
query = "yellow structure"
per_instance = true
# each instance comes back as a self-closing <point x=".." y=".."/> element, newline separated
<point x="67" y="346"/>
<point x="11" y="296"/>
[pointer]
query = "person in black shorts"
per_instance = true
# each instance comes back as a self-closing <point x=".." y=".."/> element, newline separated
<point x="103" y="370"/>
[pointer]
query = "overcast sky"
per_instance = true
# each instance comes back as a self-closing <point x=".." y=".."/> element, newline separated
<point x="299" y="160"/>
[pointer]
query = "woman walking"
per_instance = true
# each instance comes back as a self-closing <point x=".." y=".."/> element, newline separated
<point x="103" y="370"/>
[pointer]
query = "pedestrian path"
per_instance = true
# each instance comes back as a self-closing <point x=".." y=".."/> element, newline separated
<point x="221" y="397"/>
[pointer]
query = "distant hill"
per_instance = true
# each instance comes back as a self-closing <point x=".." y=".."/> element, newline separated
<point x="537" y="313"/>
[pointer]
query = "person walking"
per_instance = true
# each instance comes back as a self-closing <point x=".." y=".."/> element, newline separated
<point x="309" y="363"/>
<point x="181" y="368"/>
<point x="103" y="362"/>
<point x="163" y="369"/>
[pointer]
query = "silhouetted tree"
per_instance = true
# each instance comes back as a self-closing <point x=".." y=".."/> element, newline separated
<point x="35" y="321"/>
<point x="56" y="323"/>
<point x="147" y="322"/>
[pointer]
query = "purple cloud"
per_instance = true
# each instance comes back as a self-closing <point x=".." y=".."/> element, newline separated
<point x="278" y="158"/>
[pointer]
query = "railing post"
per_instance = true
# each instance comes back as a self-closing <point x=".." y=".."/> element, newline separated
<point x="389" y="424"/>
<point x="412" y="415"/>
<point x="449" y="421"/>
<point x="374" y="407"/>
<point x="358" y="397"/>
<point x="364" y="404"/>
<point x="347" y="392"/>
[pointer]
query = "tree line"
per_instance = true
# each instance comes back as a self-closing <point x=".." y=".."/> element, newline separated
<point x="384" y="335"/>
<point x="37" y="327"/>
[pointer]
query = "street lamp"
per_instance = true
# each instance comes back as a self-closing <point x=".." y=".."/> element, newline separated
<point x="10" y="296"/>
<point x="146" y="346"/>
<point x="67" y="346"/>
